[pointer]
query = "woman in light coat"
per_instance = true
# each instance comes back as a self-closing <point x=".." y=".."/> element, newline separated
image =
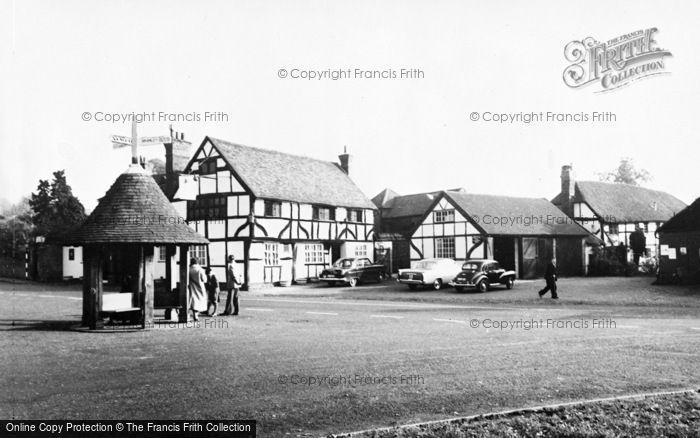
<point x="197" y="289"/>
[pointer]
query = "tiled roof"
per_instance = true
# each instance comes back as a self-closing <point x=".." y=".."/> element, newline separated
<point x="506" y="215"/>
<point x="135" y="210"/>
<point x="687" y="220"/>
<point x="384" y="197"/>
<point x="620" y="203"/>
<point x="408" y="205"/>
<point x="276" y="175"/>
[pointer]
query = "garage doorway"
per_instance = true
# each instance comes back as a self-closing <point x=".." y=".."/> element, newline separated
<point x="504" y="252"/>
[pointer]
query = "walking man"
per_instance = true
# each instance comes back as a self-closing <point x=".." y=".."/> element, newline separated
<point x="233" y="284"/>
<point x="550" y="277"/>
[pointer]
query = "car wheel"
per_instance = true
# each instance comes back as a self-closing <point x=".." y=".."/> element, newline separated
<point x="459" y="289"/>
<point x="483" y="286"/>
<point x="413" y="286"/>
<point x="437" y="284"/>
<point x="509" y="283"/>
<point x="352" y="281"/>
<point x="380" y="277"/>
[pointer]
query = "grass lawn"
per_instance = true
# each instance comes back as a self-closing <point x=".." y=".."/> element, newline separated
<point x="675" y="415"/>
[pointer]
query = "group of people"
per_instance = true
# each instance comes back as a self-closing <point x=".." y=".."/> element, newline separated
<point x="204" y="289"/>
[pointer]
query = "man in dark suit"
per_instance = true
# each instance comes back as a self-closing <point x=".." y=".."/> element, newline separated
<point x="550" y="277"/>
<point x="233" y="284"/>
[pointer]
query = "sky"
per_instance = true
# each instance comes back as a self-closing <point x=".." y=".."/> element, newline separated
<point x="62" y="60"/>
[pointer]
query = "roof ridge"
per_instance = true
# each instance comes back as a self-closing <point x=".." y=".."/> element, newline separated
<point x="273" y="151"/>
<point x="497" y="196"/>
<point x="620" y="184"/>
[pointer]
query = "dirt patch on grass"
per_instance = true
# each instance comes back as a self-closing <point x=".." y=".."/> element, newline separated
<point x="676" y="415"/>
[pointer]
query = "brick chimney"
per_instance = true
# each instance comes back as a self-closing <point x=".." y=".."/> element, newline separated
<point x="177" y="154"/>
<point x="345" y="160"/>
<point x="568" y="181"/>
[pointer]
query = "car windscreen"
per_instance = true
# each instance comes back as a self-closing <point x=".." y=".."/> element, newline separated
<point x="470" y="266"/>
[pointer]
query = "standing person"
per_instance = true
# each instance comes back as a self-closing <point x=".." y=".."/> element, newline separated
<point x="550" y="277"/>
<point x="197" y="289"/>
<point x="213" y="290"/>
<point x="233" y="284"/>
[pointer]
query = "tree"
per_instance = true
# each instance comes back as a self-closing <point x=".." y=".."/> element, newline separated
<point x="56" y="211"/>
<point x="15" y="228"/>
<point x="626" y="173"/>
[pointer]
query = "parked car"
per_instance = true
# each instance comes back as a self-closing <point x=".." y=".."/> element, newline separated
<point x="433" y="272"/>
<point x="482" y="274"/>
<point x="352" y="271"/>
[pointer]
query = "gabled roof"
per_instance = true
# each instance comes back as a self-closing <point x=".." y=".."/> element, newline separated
<point x="687" y="220"/>
<point x="620" y="203"/>
<point x="408" y="205"/>
<point x="135" y="210"/>
<point x="275" y="175"/>
<point x="523" y="216"/>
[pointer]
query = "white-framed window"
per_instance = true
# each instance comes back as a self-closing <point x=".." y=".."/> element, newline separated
<point x="361" y="251"/>
<point x="314" y="253"/>
<point x="272" y="254"/>
<point x="444" y="215"/>
<point x="199" y="252"/>
<point x="445" y="247"/>
<point x="161" y="253"/>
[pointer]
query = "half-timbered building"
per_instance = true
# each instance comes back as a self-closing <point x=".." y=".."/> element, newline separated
<point x="284" y="217"/>
<point x="613" y="211"/>
<point x="521" y="233"/>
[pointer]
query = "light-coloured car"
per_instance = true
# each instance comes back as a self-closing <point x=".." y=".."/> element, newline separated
<point x="435" y="273"/>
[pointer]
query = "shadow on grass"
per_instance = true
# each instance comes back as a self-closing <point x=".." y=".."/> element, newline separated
<point x="37" y="325"/>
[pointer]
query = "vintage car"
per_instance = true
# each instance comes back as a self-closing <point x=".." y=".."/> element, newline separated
<point x="352" y="271"/>
<point x="482" y="274"/>
<point x="433" y="272"/>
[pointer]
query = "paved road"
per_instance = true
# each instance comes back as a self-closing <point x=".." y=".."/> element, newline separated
<point x="331" y="363"/>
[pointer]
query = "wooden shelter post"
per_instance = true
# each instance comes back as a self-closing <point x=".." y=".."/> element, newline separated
<point x="92" y="281"/>
<point x="148" y="286"/>
<point x="183" y="292"/>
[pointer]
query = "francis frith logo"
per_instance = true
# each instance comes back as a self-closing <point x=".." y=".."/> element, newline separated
<point x="616" y="62"/>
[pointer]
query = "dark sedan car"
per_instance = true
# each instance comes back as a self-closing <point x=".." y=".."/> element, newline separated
<point x="352" y="271"/>
<point x="482" y="274"/>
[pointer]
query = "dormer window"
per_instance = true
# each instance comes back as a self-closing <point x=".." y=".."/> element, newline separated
<point x="273" y="209"/>
<point x="355" y="215"/>
<point x="323" y="213"/>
